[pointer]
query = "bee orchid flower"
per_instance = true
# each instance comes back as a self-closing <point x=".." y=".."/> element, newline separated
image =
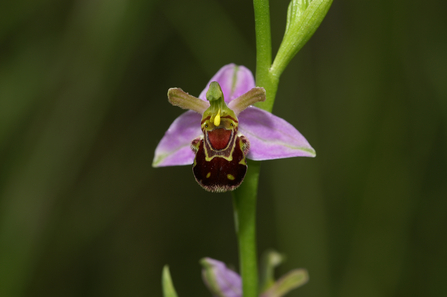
<point x="222" y="128"/>
<point x="224" y="282"/>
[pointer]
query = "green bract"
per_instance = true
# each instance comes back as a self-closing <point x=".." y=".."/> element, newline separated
<point x="303" y="18"/>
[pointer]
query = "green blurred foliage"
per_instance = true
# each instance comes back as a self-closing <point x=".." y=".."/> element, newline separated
<point x="83" y="104"/>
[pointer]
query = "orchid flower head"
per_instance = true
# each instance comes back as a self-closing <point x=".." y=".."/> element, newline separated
<point x="224" y="282"/>
<point x="222" y="128"/>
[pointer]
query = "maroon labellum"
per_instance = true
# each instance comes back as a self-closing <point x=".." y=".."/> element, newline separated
<point x="220" y="164"/>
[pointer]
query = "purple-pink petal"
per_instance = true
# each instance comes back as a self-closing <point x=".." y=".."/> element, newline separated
<point x="234" y="81"/>
<point x="272" y="137"/>
<point x="174" y="148"/>
<point x="220" y="280"/>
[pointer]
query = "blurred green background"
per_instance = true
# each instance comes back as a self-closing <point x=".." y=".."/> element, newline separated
<point x="83" y="105"/>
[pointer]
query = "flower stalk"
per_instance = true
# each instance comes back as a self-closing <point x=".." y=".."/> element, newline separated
<point x="264" y="78"/>
<point x="303" y="18"/>
<point x="244" y="204"/>
<point x="244" y="198"/>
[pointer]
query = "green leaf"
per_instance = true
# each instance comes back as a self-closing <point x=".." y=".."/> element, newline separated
<point x="168" y="286"/>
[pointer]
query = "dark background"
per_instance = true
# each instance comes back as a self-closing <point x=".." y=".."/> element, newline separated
<point x="83" y="105"/>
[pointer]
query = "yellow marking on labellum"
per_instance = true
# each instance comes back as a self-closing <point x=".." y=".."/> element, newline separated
<point x="217" y="119"/>
<point x="230" y="177"/>
<point x="208" y="175"/>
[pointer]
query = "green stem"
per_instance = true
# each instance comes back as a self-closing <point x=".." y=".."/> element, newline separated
<point x="244" y="198"/>
<point x="264" y="78"/>
<point x="244" y="203"/>
<point x="263" y="37"/>
<point x="267" y="76"/>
